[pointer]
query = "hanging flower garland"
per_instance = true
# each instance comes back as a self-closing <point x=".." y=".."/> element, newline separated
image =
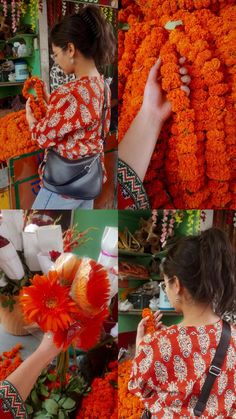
<point x="5" y="6"/>
<point x="33" y="10"/>
<point x="191" y="222"/>
<point x="168" y="222"/>
<point x="188" y="171"/>
<point x="64" y="7"/>
<point x="13" y="15"/>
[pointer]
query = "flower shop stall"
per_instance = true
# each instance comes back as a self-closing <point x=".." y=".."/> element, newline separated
<point x="20" y="188"/>
<point x="143" y="236"/>
<point x="49" y="288"/>
<point x="193" y="165"/>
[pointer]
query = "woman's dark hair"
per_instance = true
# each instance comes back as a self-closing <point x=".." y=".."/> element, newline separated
<point x="206" y="267"/>
<point x="90" y="33"/>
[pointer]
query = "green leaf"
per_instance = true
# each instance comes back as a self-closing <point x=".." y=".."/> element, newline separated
<point x="124" y="26"/>
<point x="5" y="303"/>
<point x="51" y="406"/>
<point x="55" y="397"/>
<point x="171" y="25"/>
<point x="29" y="409"/>
<point x="61" y="401"/>
<point x="34" y="397"/>
<point x="52" y="377"/>
<point x="40" y="415"/>
<point x="68" y="404"/>
<point x="113" y="383"/>
<point x="43" y="390"/>
<point x="61" y="415"/>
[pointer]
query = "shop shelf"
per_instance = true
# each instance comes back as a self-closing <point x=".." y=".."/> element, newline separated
<point x="133" y="278"/>
<point x="123" y="252"/>
<point x="11" y="83"/>
<point x="137" y="312"/>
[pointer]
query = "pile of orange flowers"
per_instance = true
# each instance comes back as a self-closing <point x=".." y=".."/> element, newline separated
<point x="194" y="164"/>
<point x="70" y="301"/>
<point x="150" y="325"/>
<point x="102" y="401"/>
<point x="129" y="405"/>
<point x="9" y="361"/>
<point x="15" y="137"/>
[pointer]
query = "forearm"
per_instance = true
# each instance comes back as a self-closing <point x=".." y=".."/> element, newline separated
<point x="25" y="376"/>
<point x="138" y="144"/>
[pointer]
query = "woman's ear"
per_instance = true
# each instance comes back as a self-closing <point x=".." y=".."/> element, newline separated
<point x="176" y="285"/>
<point x="71" y="49"/>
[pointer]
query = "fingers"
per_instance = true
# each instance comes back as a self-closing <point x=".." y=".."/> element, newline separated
<point x="143" y="321"/>
<point x="157" y="315"/>
<point x="27" y="103"/>
<point x="154" y="72"/>
<point x="186" y="79"/>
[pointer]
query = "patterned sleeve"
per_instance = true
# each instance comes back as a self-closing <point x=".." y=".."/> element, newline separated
<point x="131" y="192"/>
<point x="11" y="403"/>
<point x="142" y="380"/>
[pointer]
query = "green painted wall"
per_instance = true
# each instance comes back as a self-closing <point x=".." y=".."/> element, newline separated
<point x="96" y="218"/>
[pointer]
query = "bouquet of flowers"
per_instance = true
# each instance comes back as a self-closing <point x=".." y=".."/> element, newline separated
<point x="69" y="301"/>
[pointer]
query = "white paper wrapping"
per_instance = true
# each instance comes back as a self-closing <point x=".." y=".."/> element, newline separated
<point x="13" y="220"/>
<point x="108" y="256"/>
<point x="10" y="262"/>
<point x="45" y="262"/>
<point x="38" y="240"/>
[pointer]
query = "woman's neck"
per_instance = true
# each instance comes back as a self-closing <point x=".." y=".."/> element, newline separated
<point x="198" y="315"/>
<point x="86" y="68"/>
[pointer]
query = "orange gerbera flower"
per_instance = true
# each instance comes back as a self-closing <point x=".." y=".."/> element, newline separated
<point x="90" y="288"/>
<point x="47" y="303"/>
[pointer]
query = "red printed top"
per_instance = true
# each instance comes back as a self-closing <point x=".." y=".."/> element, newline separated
<point x="171" y="366"/>
<point x="73" y="122"/>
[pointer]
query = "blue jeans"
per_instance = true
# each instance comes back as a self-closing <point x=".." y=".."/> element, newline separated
<point x="50" y="200"/>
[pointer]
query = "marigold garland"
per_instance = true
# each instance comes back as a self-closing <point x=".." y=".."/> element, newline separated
<point x="150" y="325"/>
<point x="9" y="361"/>
<point x="193" y="165"/>
<point x="15" y="137"/>
<point x="129" y="405"/>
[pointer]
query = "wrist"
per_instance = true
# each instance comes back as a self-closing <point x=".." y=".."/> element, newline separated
<point x="43" y="357"/>
<point x="151" y="117"/>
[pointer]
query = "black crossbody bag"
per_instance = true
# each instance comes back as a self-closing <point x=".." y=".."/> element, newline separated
<point x="213" y="372"/>
<point x="79" y="179"/>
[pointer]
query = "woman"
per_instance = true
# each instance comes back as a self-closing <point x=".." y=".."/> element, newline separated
<point x="139" y="142"/>
<point x="81" y="44"/>
<point x="170" y="366"/>
<point x="17" y="387"/>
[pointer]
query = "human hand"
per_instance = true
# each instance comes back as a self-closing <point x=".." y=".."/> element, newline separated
<point x="155" y="101"/>
<point x="142" y="326"/>
<point x="29" y="114"/>
<point x="47" y="348"/>
<point x="46" y="94"/>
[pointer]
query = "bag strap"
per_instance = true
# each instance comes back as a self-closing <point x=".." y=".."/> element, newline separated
<point x="215" y="369"/>
<point x="103" y="119"/>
